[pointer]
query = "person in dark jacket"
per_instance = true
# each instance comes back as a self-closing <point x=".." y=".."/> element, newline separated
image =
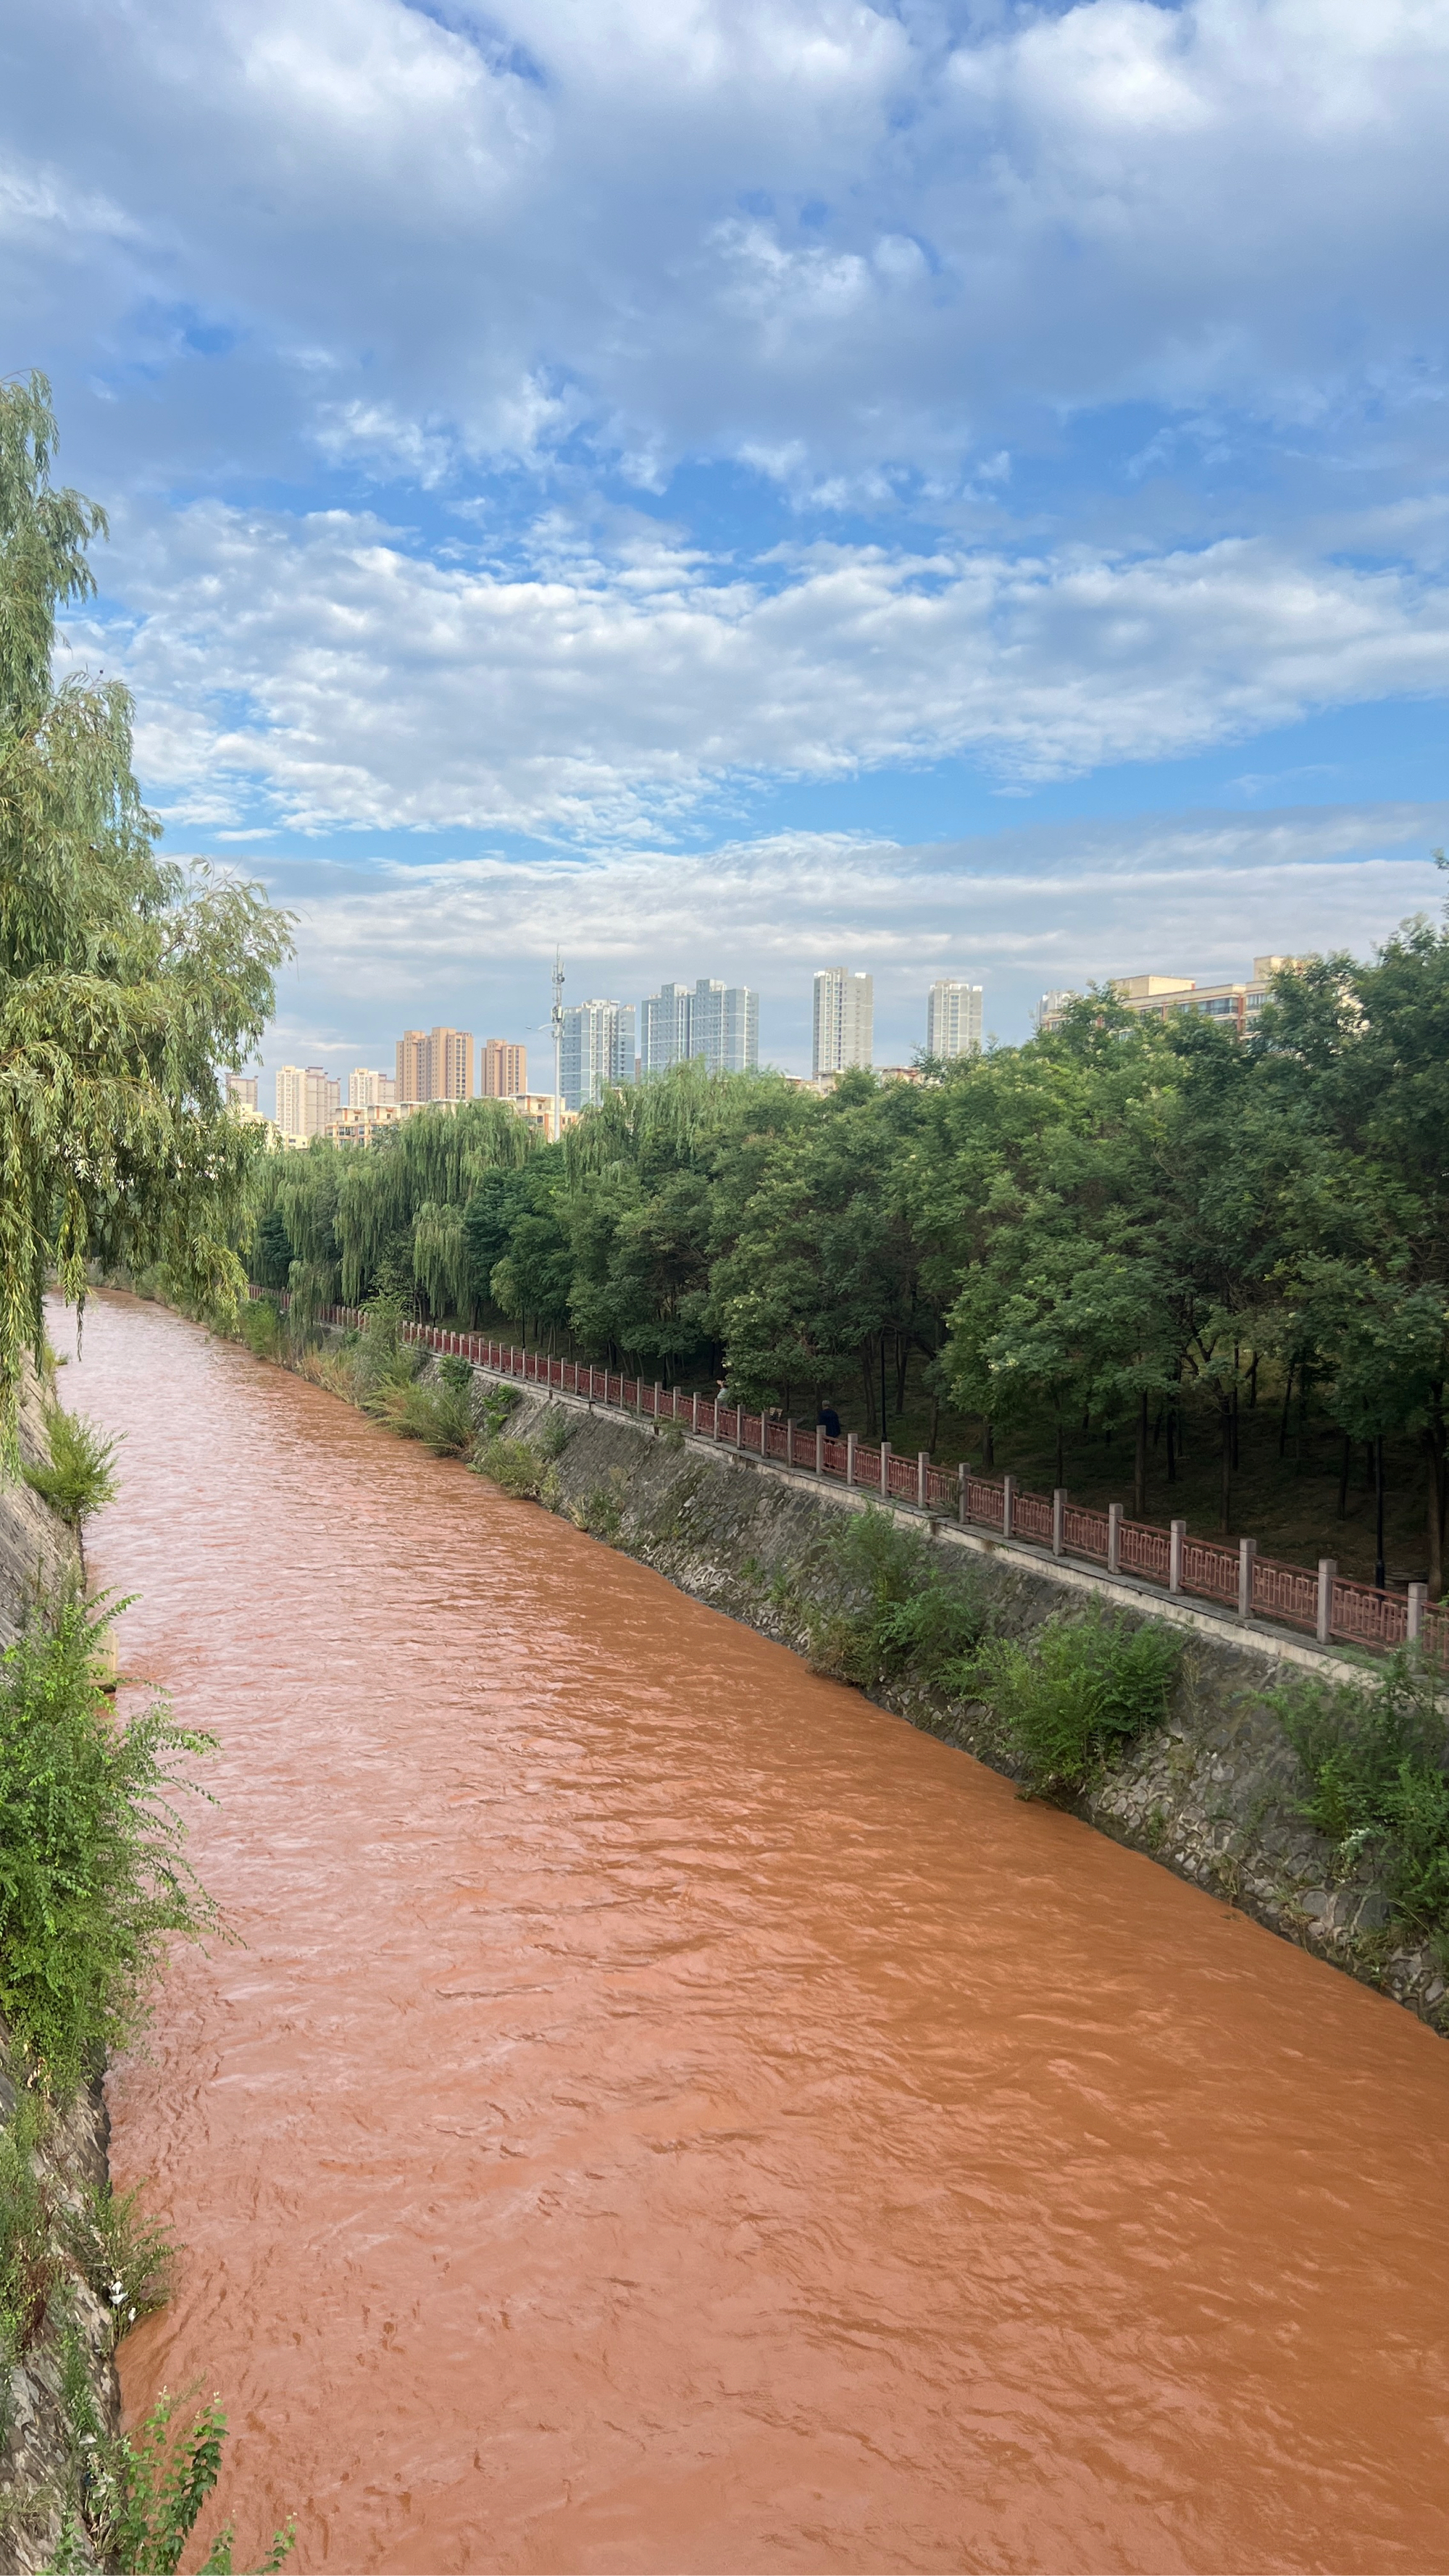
<point x="828" y="1421"/>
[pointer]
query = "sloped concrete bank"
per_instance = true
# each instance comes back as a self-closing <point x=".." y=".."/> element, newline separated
<point x="38" y="2465"/>
<point x="1212" y="1794"/>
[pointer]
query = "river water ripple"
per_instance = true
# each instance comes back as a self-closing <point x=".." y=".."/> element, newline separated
<point x="663" y="2113"/>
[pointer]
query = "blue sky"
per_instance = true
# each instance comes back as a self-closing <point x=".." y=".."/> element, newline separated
<point x="760" y="484"/>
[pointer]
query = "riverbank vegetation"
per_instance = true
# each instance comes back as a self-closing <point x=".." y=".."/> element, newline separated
<point x="1140" y="1258"/>
<point x="1374" y="1765"/>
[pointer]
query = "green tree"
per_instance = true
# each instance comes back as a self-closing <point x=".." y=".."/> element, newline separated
<point x="124" y="982"/>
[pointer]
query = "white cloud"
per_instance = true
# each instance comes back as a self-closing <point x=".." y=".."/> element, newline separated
<point x="327" y="672"/>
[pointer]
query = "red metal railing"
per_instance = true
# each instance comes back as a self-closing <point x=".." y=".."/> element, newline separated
<point x="1327" y="1603"/>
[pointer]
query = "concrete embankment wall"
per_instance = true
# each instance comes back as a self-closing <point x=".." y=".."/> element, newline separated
<point x="1212" y="1794"/>
<point x="38" y="1559"/>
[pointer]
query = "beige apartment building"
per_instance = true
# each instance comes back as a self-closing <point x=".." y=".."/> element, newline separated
<point x="306" y="1099"/>
<point x="503" y="1070"/>
<point x="434" y="1064"/>
<point x="1159" y="997"/>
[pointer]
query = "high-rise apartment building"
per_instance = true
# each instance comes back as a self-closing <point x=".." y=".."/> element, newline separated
<point x="306" y="1099"/>
<point x="953" y="1019"/>
<point x="503" y="1069"/>
<point x="844" y="1020"/>
<point x="241" y="1088"/>
<point x="369" y="1090"/>
<point x="597" y="1049"/>
<point x="725" y="1026"/>
<point x="1049" y="1009"/>
<point x="719" y="1023"/>
<point x="435" y="1064"/>
<point x="665" y="1029"/>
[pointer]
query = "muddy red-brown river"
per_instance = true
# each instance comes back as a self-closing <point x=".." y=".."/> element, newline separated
<point x="662" y="2113"/>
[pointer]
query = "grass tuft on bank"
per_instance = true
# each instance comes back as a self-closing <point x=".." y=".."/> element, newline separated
<point x="1374" y="1763"/>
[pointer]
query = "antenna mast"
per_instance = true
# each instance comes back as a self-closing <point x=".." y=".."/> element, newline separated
<point x="555" y="1021"/>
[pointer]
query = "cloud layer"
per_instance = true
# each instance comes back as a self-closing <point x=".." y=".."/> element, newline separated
<point x="839" y="240"/>
<point x="327" y="672"/>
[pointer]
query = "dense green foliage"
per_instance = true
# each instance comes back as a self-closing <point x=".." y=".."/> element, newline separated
<point x="124" y="982"/>
<point x="92" y="1875"/>
<point x="80" y="1478"/>
<point x="1123" y="1223"/>
<point x="1077" y="1692"/>
<point x="1375" y="1765"/>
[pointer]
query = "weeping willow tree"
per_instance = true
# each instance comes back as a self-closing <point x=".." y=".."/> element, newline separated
<point x="125" y="982"/>
<point x="391" y="1214"/>
<point x="673" y="1121"/>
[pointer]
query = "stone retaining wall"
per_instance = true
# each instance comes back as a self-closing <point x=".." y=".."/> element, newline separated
<point x="1212" y="1794"/>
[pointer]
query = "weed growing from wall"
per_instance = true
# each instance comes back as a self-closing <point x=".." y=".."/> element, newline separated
<point x="80" y="1478"/>
<point x="901" y="1613"/>
<point x="1374" y="1762"/>
<point x="138" y="2502"/>
<point x="92" y="1873"/>
<point x="1078" y="1692"/>
<point x="513" y="1465"/>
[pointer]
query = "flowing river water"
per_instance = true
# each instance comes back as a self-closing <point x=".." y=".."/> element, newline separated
<point x="662" y="2113"/>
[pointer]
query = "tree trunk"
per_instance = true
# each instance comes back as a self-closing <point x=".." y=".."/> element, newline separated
<point x="1171" y="1445"/>
<point x="1226" y="1484"/>
<point x="1061" y="1461"/>
<point x="1235" y="1430"/>
<point x="1253" y="1385"/>
<point x="1344" y="1476"/>
<point x="1432" y="1438"/>
<point x="1287" y="1400"/>
<point x="903" y="1364"/>
<point x="867" y="1370"/>
<point x="1139" y="1463"/>
<point x="935" y="1432"/>
<point x="989" y="1452"/>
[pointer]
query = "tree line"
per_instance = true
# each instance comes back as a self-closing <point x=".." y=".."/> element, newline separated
<point x="1116" y="1223"/>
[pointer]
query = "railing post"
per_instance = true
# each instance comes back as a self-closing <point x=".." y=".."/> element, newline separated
<point x="964" y="1475"/>
<point x="1114" y="1538"/>
<point x="1418" y="1596"/>
<point x="819" y="1448"/>
<point x="851" y="1442"/>
<point x="1247" y="1554"/>
<point x="657" y="1392"/>
<point x="923" y="1465"/>
<point x="694" y="1417"/>
<point x="885" y="1468"/>
<point x="1177" y="1532"/>
<point x="1008" y="1505"/>
<point x="1327" y="1577"/>
<point x="764" y="1433"/>
<point x="1059" y="1519"/>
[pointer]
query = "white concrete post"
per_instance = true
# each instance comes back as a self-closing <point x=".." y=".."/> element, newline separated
<point x="1177" y="1532"/>
<point x="923" y="1461"/>
<point x="658" y="1391"/>
<point x="694" y="1417"/>
<point x="851" y="1440"/>
<point x="819" y="1448"/>
<point x="1008" y="1505"/>
<point x="885" y="1470"/>
<point x="1114" y="1538"/>
<point x="1327" y="1577"/>
<point x="1247" y="1557"/>
<point x="1418" y="1597"/>
<point x="1059" y="1520"/>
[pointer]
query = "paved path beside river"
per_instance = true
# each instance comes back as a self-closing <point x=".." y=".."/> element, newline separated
<point x="666" y="2114"/>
